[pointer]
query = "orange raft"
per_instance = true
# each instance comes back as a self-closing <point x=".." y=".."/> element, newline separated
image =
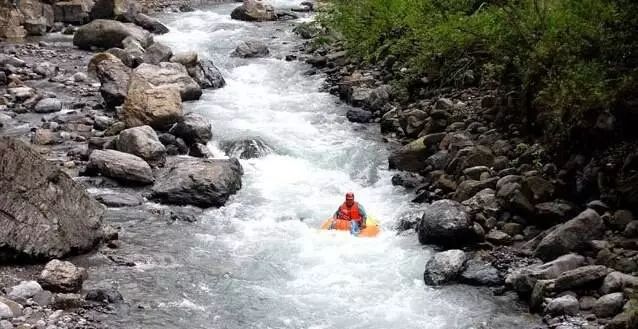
<point x="371" y="230"/>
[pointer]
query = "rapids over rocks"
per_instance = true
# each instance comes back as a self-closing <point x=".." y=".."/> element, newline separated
<point x="260" y="261"/>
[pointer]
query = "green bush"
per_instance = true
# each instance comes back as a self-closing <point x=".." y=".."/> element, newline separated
<point x="567" y="59"/>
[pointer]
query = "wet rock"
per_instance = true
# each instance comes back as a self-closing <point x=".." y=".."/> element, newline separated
<point x="609" y="305"/>
<point x="254" y="11"/>
<point x="150" y="24"/>
<point x="114" y="77"/>
<point x="167" y="73"/>
<point x="481" y="273"/>
<point x="131" y="58"/>
<point x="524" y="279"/>
<point x="484" y="201"/>
<point x="48" y="105"/>
<point x="246" y="148"/>
<point x="446" y="223"/>
<point x="119" y="200"/>
<point x="408" y="220"/>
<point x="359" y="116"/>
<point x="21" y="93"/>
<point x="412" y="122"/>
<point x="199" y="182"/>
<point x="143" y="142"/>
<point x="25" y="290"/>
<point x="55" y="218"/>
<point x="45" y="69"/>
<point x="469" y="188"/>
<point x="188" y="59"/>
<point x="207" y="75"/>
<point x="173" y="144"/>
<point x="157" y="107"/>
<point x="251" y="49"/>
<point x="407" y="180"/>
<point x="193" y="128"/>
<point x="105" y="34"/>
<point x="120" y="166"/>
<point x="104" y="295"/>
<point x="199" y="150"/>
<point x="565" y="305"/>
<point x="157" y="53"/>
<point x="617" y="281"/>
<point x="573" y="235"/>
<point x="62" y="276"/>
<point x="498" y="237"/>
<point x="444" y="267"/>
<point x="580" y="277"/>
<point x="549" y="213"/>
<point x="410" y="157"/>
<point x="121" y="10"/>
<point x="67" y="301"/>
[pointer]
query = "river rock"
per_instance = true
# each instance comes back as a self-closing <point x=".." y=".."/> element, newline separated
<point x="573" y="235"/>
<point x="565" y="305"/>
<point x="188" y="58"/>
<point x="72" y="11"/>
<point x="121" y="10"/>
<point x="14" y="309"/>
<point x="549" y="213"/>
<point x="114" y="77"/>
<point x="410" y="157"/>
<point x="359" y="116"/>
<point x="481" y="273"/>
<point x="67" y="301"/>
<point x="199" y="182"/>
<point x="104" y="295"/>
<point x="609" y="305"/>
<point x="45" y="69"/>
<point x="62" y="276"/>
<point x="146" y="104"/>
<point x="446" y="223"/>
<point x="121" y="166"/>
<point x="25" y="290"/>
<point x="55" y="217"/>
<point x="580" y="277"/>
<point x="150" y="24"/>
<point x="249" y="148"/>
<point x="206" y="74"/>
<point x="469" y="188"/>
<point x="48" y="105"/>
<point x="5" y="311"/>
<point x="484" y="202"/>
<point x="251" y="49"/>
<point x="524" y="279"/>
<point x="103" y="33"/>
<point x="119" y="200"/>
<point x="167" y="73"/>
<point x="143" y="142"/>
<point x="444" y="267"/>
<point x="254" y="11"/>
<point x="193" y="128"/>
<point x="157" y="53"/>
<point x="617" y="281"/>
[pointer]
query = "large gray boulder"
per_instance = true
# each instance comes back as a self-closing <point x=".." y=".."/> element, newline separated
<point x="446" y="223"/>
<point x="609" y="305"/>
<point x="150" y="24"/>
<point x="157" y="53"/>
<point x="43" y="213"/>
<point x="114" y="77"/>
<point x="175" y="74"/>
<point x="199" y="182"/>
<point x="617" y="281"/>
<point x="147" y="104"/>
<point x="411" y="157"/>
<point x="254" y="11"/>
<point x="248" y="148"/>
<point x="61" y="276"/>
<point x="444" y="267"/>
<point x="72" y="11"/>
<point x="104" y="33"/>
<point x="251" y="49"/>
<point x="121" y="166"/>
<point x="573" y="235"/>
<point x="25" y="290"/>
<point x="207" y="75"/>
<point x="481" y="273"/>
<point x="193" y="128"/>
<point x="524" y="279"/>
<point x="564" y="305"/>
<point x="591" y="275"/>
<point x="143" y="142"/>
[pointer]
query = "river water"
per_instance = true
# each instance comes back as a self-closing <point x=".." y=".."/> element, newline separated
<point x="260" y="261"/>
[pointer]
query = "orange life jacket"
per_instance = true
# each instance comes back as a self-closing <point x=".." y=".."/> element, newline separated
<point x="349" y="213"/>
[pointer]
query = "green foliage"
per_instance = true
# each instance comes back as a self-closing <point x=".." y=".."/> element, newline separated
<point x="568" y="59"/>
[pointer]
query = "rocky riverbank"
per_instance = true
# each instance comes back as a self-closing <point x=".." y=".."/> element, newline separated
<point x="503" y="210"/>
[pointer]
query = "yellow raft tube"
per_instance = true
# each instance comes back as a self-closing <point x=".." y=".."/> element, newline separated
<point x="372" y="228"/>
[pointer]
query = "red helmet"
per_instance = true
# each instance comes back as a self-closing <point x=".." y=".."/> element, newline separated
<point x="349" y="196"/>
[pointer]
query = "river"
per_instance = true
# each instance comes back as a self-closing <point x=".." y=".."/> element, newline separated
<point x="260" y="261"/>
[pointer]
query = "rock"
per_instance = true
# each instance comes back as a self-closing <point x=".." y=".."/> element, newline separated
<point x="199" y="150"/>
<point x="45" y="69"/>
<point x="119" y="200"/>
<point x="524" y="279"/>
<point x="207" y="75"/>
<point x="67" y="301"/>
<point x="407" y="180"/>
<point x="130" y="57"/>
<point x="446" y="223"/>
<point x="481" y="273"/>
<point x="25" y="290"/>
<point x="469" y="188"/>
<point x="115" y="128"/>
<point x="498" y="237"/>
<point x="114" y="77"/>
<point x="104" y="295"/>
<point x="193" y="128"/>
<point x="512" y="196"/>
<point x="540" y="188"/>
<point x="410" y="157"/>
<point x="72" y="12"/>
<point x="143" y="142"/>
<point x="444" y="267"/>
<point x="573" y="235"/>
<point x="251" y="49"/>
<point x="199" y="182"/>
<point x="105" y="34"/>
<point x="121" y="10"/>
<point x="484" y="201"/>
<point x="620" y="220"/>
<point x="249" y="148"/>
<point x="5" y="311"/>
<point x="565" y="305"/>
<point x="62" y="276"/>
<point x="359" y="116"/>
<point x="580" y="277"/>
<point x="167" y="73"/>
<point x="189" y="59"/>
<point x="121" y="166"/>
<point x="609" y="305"/>
<point x="254" y="11"/>
<point x="146" y="104"/>
<point x="617" y="281"/>
<point x="631" y="230"/>
<point x="150" y="24"/>
<point x="48" y="105"/>
<point x="55" y="217"/>
<point x="553" y="212"/>
<point x="587" y="303"/>
<point x="45" y="137"/>
<point x="157" y="53"/>
<point x="173" y="144"/>
<point x="21" y="93"/>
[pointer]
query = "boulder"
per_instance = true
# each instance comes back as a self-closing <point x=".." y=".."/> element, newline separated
<point x="25" y="290"/>
<point x="254" y="11"/>
<point x="157" y="53"/>
<point x="446" y="223"/>
<point x="114" y="77"/>
<point x="121" y="166"/>
<point x="617" y="281"/>
<point x="62" y="276"/>
<point x="54" y="217"/>
<point x="249" y="148"/>
<point x="150" y="24"/>
<point x="119" y="200"/>
<point x="609" y="305"/>
<point x="9" y="308"/>
<point x="188" y="58"/>
<point x="565" y="305"/>
<point x="121" y="10"/>
<point x="199" y="182"/>
<point x="484" y="201"/>
<point x="193" y="128"/>
<point x="581" y="277"/>
<point x="524" y="279"/>
<point x="481" y="273"/>
<point x="48" y="105"/>
<point x="104" y="295"/>
<point x="549" y="213"/>
<point x="410" y="157"/>
<point x="359" y="116"/>
<point x="67" y="301"/>
<point x="72" y="11"/>
<point x="444" y="267"/>
<point x="469" y="188"/>
<point x="132" y="58"/>
<point x="573" y="235"/>
<point x="167" y="73"/>
<point x="102" y="33"/>
<point x="251" y="49"/>
<point x="158" y="107"/>
<point x="206" y="74"/>
<point x="5" y="312"/>
<point x="143" y="142"/>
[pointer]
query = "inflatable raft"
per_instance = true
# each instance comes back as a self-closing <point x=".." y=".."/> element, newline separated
<point x="371" y="230"/>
